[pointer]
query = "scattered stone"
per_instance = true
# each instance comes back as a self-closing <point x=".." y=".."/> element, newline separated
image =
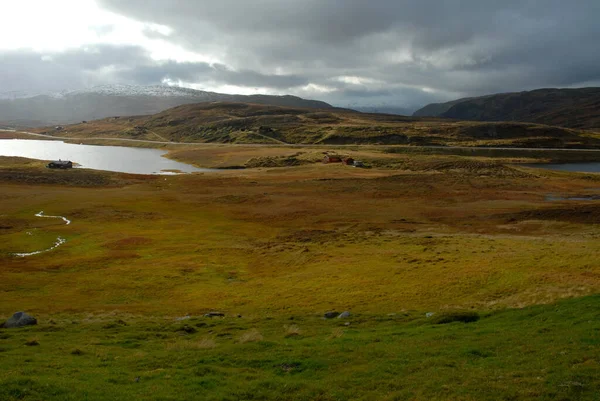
<point x="137" y="379"/>
<point x="458" y="316"/>
<point x="330" y="315"/>
<point x="188" y="329"/>
<point x="347" y="324"/>
<point x="77" y="351"/>
<point x="186" y="317"/>
<point x="239" y="316"/>
<point x="114" y="325"/>
<point x="344" y="315"/>
<point x="19" y="319"/>
<point x="288" y="367"/>
<point x="214" y="314"/>
<point x="429" y="314"/>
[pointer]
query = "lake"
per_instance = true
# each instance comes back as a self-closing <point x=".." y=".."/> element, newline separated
<point x="110" y="158"/>
<point x="574" y="167"/>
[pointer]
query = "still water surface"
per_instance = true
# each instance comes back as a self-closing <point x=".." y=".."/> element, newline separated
<point x="574" y="167"/>
<point x="109" y="158"/>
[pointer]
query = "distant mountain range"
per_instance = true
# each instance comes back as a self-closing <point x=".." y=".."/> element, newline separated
<point x="28" y="110"/>
<point x="572" y="108"/>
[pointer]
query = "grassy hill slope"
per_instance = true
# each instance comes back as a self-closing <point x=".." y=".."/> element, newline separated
<point x="546" y="352"/>
<point x="573" y="108"/>
<point x="252" y="123"/>
<point x="117" y="100"/>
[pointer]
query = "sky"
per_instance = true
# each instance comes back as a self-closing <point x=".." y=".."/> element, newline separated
<point x="394" y="53"/>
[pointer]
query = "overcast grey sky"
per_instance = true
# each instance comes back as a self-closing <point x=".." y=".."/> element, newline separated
<point x="347" y="52"/>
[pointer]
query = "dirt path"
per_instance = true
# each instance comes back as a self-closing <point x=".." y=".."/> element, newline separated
<point x="162" y="138"/>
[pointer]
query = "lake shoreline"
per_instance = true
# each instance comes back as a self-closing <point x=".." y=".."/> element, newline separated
<point x="121" y="159"/>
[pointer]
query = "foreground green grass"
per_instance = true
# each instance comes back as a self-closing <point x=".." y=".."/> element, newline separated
<point x="548" y="352"/>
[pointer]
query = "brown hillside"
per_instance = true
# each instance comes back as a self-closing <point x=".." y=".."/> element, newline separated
<point x="572" y="108"/>
<point x="222" y="122"/>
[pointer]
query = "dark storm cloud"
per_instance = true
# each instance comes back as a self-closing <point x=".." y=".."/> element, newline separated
<point x="393" y="52"/>
<point x="254" y="79"/>
<point x="26" y="71"/>
<point x="30" y="71"/>
<point x="461" y="47"/>
<point x="99" y="56"/>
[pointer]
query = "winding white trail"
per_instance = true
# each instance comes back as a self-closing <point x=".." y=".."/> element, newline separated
<point x="41" y="214"/>
<point x="59" y="240"/>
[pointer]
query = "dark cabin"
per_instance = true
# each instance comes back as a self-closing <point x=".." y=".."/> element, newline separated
<point x="332" y="159"/>
<point x="60" y="164"/>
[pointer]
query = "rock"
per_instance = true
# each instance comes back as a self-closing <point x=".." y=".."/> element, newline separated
<point x="344" y="315"/>
<point x="456" y="316"/>
<point x="19" y="319"/>
<point x="214" y="314"/>
<point x="429" y="314"/>
<point x="347" y="324"/>
<point x="188" y="329"/>
<point x="330" y="315"/>
<point x="186" y="317"/>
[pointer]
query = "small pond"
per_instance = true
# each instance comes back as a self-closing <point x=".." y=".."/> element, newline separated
<point x="590" y="167"/>
<point x="110" y="158"/>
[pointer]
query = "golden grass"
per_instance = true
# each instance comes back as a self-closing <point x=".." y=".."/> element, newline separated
<point x="182" y="344"/>
<point x="300" y="240"/>
<point x="252" y="335"/>
<point x="292" y="330"/>
<point x="338" y="332"/>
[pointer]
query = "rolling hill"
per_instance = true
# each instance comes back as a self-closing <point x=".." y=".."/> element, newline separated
<point x="116" y="100"/>
<point x="225" y="122"/>
<point x="572" y="108"/>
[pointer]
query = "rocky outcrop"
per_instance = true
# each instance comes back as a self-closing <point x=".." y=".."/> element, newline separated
<point x="19" y="319"/>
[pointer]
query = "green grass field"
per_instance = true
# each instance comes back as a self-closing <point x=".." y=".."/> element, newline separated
<point x="546" y="352"/>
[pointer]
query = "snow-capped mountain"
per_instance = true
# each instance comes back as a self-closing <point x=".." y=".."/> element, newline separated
<point x="120" y="100"/>
<point x="136" y="90"/>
